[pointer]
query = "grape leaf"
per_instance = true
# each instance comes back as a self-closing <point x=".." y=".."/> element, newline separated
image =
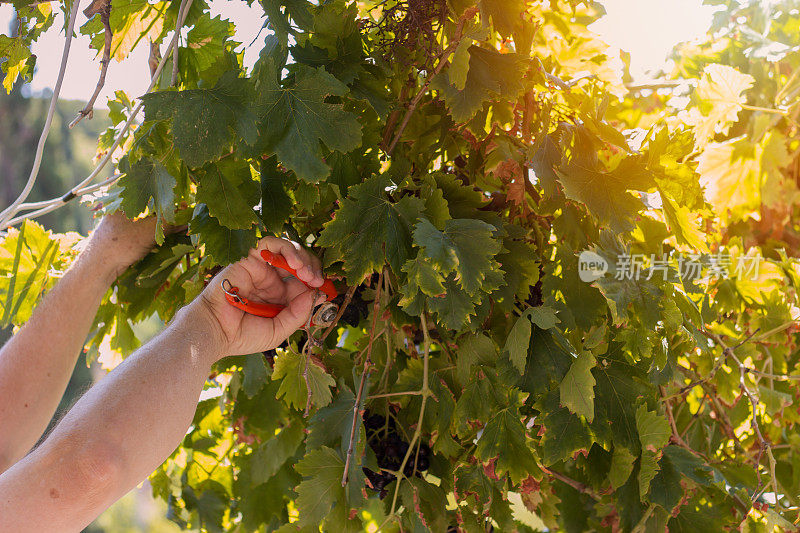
<point x="276" y="206"/>
<point x="605" y="193"/>
<point x="322" y="486"/>
<point x="270" y="456"/>
<point x="330" y="425"/>
<point x="543" y="316"/>
<point x="465" y="247"/>
<point x="504" y="438"/>
<point x="369" y="229"/>
<point x="223" y="244"/>
<point x="205" y="122"/>
<point x="227" y="189"/>
<point x="654" y="431"/>
<point x="518" y="340"/>
<point x="505" y="14"/>
<point x="564" y="432"/>
<point x="490" y="73"/>
<point x="296" y="118"/>
<point x="289" y="368"/>
<point x="206" y="54"/>
<point x="18" y="60"/>
<point x="621" y="466"/>
<point x="473" y="350"/>
<point x="455" y="308"/>
<point x="147" y="183"/>
<point x="719" y="98"/>
<point x="577" y="387"/>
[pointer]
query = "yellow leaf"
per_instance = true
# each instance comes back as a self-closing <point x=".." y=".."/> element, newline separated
<point x="719" y="99"/>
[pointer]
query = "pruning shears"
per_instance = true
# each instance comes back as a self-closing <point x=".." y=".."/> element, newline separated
<point x="324" y="315"/>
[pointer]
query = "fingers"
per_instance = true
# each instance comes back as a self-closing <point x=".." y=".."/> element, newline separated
<point x="306" y="264"/>
<point x="294" y="316"/>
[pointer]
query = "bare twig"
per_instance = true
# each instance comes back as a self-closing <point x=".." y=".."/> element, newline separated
<point x="88" y="109"/>
<point x="176" y="45"/>
<point x="82" y="187"/>
<point x="726" y="353"/>
<point x="307" y="353"/>
<point x="676" y="436"/>
<point x="391" y="394"/>
<point x="577" y="485"/>
<point x="642" y="523"/>
<point x="425" y="392"/>
<point x="364" y="378"/>
<point x="764" y="445"/>
<point x="11" y="210"/>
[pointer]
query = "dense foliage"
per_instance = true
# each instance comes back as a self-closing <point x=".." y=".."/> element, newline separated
<point x="450" y="161"/>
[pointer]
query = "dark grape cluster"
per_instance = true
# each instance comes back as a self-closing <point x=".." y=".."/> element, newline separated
<point x="390" y="449"/>
<point x="269" y="357"/>
<point x="356" y="310"/>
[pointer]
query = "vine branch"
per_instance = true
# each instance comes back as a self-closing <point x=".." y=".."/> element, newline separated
<point x="425" y="391"/>
<point x="439" y="66"/>
<point x="105" y="17"/>
<point x="764" y="445"/>
<point x="41" y="208"/>
<point x="12" y="209"/>
<point x="364" y="376"/>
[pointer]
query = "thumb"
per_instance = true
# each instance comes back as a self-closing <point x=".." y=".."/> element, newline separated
<point x="293" y="316"/>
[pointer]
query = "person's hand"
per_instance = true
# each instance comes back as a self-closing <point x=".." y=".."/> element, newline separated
<point x="119" y="242"/>
<point x="240" y="333"/>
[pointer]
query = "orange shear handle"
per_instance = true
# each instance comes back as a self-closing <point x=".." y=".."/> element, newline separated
<point x="268" y="310"/>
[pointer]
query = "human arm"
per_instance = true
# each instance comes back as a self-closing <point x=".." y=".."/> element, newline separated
<point x="37" y="362"/>
<point x="127" y="424"/>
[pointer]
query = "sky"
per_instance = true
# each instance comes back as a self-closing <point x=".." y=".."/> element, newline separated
<point x="646" y="28"/>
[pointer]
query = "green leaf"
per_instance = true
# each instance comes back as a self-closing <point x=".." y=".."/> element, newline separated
<point x="223" y="188"/>
<point x="490" y="73"/>
<point x="473" y="350"/>
<point x="206" y="56"/>
<point x="296" y="118"/>
<point x="276" y="206"/>
<point x="505" y="14"/>
<point x="147" y="183"/>
<point x="466" y="247"/>
<point x="564" y="433"/>
<point x="504" y="438"/>
<point x="550" y="357"/>
<point x="648" y="469"/>
<point x="269" y="457"/>
<point x="453" y="310"/>
<point x="370" y="230"/>
<point x="423" y="275"/>
<point x="619" y="389"/>
<point x="654" y="430"/>
<point x="543" y="316"/>
<point x="322" y="486"/>
<point x="223" y="244"/>
<point x="621" y="467"/>
<point x="518" y="340"/>
<point x="255" y="374"/>
<point x="18" y="60"/>
<point x="289" y="368"/>
<point x="577" y="388"/>
<point x="205" y="122"/>
<point x="604" y="193"/>
<point x="774" y="401"/>
<point x="331" y="425"/>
